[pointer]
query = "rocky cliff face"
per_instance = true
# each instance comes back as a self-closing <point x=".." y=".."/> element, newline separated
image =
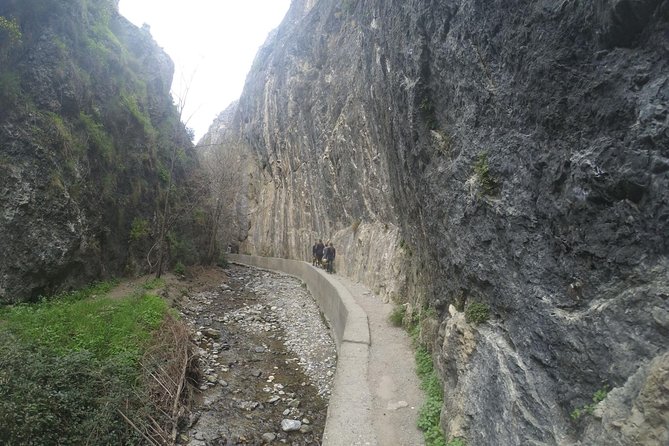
<point x="87" y="132"/>
<point x="509" y="154"/>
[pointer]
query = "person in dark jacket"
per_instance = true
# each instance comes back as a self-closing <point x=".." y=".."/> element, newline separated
<point x="325" y="254"/>
<point x="330" y="255"/>
<point x="314" y="257"/>
<point x="318" y="252"/>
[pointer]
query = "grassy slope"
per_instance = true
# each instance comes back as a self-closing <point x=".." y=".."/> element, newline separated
<point x="69" y="365"/>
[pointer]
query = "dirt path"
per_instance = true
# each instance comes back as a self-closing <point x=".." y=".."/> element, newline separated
<point x="394" y="385"/>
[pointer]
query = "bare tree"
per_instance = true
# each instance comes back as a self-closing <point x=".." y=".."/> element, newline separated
<point x="168" y="217"/>
<point x="224" y="170"/>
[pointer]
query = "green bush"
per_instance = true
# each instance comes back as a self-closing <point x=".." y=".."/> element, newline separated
<point x="179" y="269"/>
<point x="414" y="329"/>
<point x="131" y="105"/>
<point x="485" y="180"/>
<point x="597" y="398"/>
<point x="62" y="134"/>
<point x="429" y="414"/>
<point x="429" y="313"/>
<point x="139" y="229"/>
<point x="65" y="399"/>
<point x="477" y="313"/>
<point x="182" y="248"/>
<point x="98" y="136"/>
<point x="428" y="422"/>
<point x="424" y="364"/>
<point x="163" y="174"/>
<point x="69" y="365"/>
<point x="154" y="283"/>
<point x="397" y="315"/>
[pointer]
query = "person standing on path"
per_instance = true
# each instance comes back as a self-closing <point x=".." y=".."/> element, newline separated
<point x="318" y="252"/>
<point x="325" y="254"/>
<point x="314" y="258"/>
<point x="330" y="257"/>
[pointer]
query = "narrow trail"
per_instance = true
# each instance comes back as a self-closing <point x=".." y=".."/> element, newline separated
<point x="393" y="383"/>
<point x="376" y="395"/>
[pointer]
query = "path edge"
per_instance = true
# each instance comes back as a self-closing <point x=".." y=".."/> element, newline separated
<point x="349" y="419"/>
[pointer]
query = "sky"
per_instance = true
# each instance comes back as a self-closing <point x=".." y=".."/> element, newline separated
<point x="212" y="43"/>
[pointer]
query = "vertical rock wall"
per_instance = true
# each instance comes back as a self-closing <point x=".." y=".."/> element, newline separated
<point x="87" y="130"/>
<point x="511" y="154"/>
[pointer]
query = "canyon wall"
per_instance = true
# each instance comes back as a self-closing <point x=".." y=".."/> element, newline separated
<point x="510" y="154"/>
<point x="88" y="132"/>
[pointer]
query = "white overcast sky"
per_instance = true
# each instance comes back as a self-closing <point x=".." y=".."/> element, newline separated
<point x="212" y="42"/>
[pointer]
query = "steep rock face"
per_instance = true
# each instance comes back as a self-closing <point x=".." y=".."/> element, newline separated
<point x="87" y="126"/>
<point x="520" y="152"/>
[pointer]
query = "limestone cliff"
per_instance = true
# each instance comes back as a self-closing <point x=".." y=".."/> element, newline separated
<point x="510" y="154"/>
<point x="88" y="130"/>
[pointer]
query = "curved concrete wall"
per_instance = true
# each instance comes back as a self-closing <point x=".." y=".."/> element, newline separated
<point x="348" y="419"/>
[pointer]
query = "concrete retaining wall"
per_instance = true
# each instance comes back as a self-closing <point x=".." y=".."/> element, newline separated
<point x="348" y="419"/>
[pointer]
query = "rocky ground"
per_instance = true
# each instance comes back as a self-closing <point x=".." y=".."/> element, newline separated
<point x="267" y="359"/>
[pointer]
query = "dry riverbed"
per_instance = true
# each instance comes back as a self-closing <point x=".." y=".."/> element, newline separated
<point x="267" y="359"/>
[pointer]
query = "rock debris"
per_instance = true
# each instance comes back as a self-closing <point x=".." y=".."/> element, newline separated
<point x="267" y="358"/>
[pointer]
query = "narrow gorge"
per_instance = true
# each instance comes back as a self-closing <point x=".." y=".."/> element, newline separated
<point x="498" y="170"/>
<point x="510" y="157"/>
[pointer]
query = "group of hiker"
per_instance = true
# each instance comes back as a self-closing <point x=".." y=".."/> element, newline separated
<point x="323" y="255"/>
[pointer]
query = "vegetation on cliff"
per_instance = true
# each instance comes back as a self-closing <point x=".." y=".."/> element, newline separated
<point x="91" y="142"/>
